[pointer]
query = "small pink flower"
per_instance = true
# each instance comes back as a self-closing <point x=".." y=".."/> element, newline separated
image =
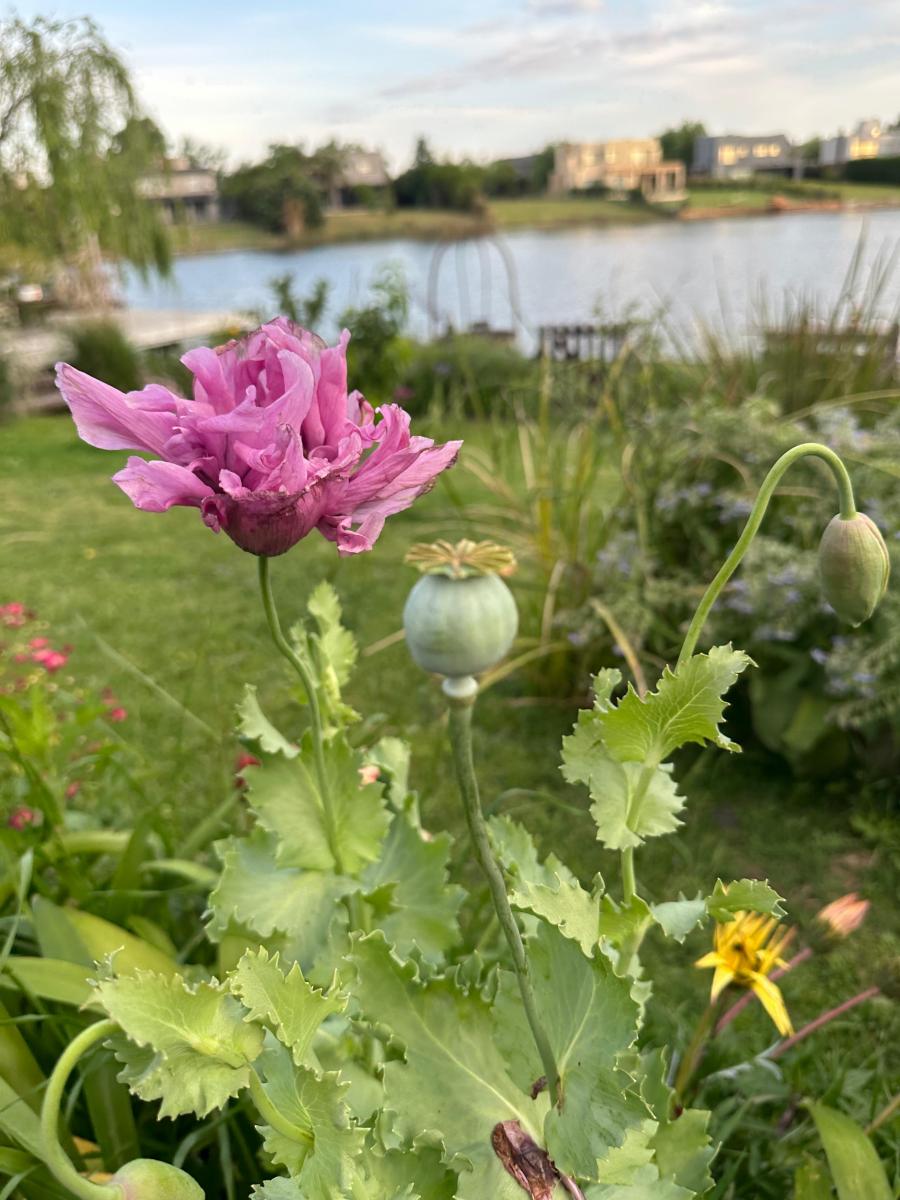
<point x="370" y="773"/>
<point x="271" y="446"/>
<point x="21" y="658"/>
<point x="50" y="660"/>
<point x="38" y="643"/>
<point x="118" y="713"/>
<point x="24" y="818"/>
<point x="844" y="915"/>
<point x="73" y="789"/>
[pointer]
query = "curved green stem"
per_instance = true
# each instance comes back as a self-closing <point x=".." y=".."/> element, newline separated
<point x="770" y="483"/>
<point x="629" y="885"/>
<point x="461" y="744"/>
<point x="55" y="1158"/>
<point x="274" y="1117"/>
<point x="312" y="697"/>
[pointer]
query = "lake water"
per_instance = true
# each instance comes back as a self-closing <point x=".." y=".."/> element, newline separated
<point x="718" y="272"/>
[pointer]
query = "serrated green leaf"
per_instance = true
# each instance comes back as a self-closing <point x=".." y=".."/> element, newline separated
<point x="619" y="922"/>
<point x="454" y="1085"/>
<point x="255" y="726"/>
<point x="285" y="795"/>
<point x="590" y="1019"/>
<point x="254" y="893"/>
<point x="681" y="1145"/>
<point x="744" y="895"/>
<point x="194" y="1047"/>
<point x="291" y="1007"/>
<point x="418" y="907"/>
<point x="678" y="917"/>
<point x="417" y="1175"/>
<point x="683" y="1151"/>
<point x="630" y="802"/>
<point x="855" y="1167"/>
<point x="548" y="889"/>
<point x="603" y="684"/>
<point x="337" y="645"/>
<point x="392" y="756"/>
<point x="330" y="654"/>
<point x="628" y="1172"/>
<point x="315" y="1104"/>
<point x="688" y="706"/>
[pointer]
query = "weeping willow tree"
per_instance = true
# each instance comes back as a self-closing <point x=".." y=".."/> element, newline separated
<point x="73" y="147"/>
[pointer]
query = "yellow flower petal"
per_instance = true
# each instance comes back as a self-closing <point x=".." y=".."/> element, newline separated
<point x="713" y="959"/>
<point x="721" y="980"/>
<point x="773" y="1002"/>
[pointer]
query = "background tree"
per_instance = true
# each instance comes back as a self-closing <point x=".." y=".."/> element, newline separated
<point x="679" y="143"/>
<point x="810" y="150"/>
<point x="280" y="193"/>
<point x="73" y="146"/>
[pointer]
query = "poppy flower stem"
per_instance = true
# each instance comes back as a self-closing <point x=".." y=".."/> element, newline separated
<point x="460" y="721"/>
<point x="750" y="530"/>
<point x="312" y="697"/>
<point x="55" y="1158"/>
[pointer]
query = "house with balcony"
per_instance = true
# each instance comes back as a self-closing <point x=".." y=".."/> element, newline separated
<point x="869" y="139"/>
<point x="735" y="156"/>
<point x="620" y="166"/>
<point x="184" y="191"/>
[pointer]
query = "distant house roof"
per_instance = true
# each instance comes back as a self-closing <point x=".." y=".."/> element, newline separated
<point x="523" y="166"/>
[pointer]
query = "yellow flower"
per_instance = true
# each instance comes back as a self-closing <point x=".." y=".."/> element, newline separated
<point x="746" y="951"/>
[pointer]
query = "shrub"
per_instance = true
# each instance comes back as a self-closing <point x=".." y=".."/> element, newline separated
<point x="101" y="349"/>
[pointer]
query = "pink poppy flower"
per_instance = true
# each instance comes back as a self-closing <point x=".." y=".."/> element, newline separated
<point x="271" y="446"/>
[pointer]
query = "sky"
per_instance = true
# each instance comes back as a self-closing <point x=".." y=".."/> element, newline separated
<point x="495" y="78"/>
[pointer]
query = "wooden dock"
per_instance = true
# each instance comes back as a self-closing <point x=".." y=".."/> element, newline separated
<point x="34" y="350"/>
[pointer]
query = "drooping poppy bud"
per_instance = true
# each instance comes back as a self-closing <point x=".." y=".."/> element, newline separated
<point x="147" y="1179"/>
<point x="854" y="565"/>
<point x="460" y="618"/>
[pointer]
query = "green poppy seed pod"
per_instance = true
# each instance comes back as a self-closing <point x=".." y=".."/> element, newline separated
<point x="855" y="566"/>
<point x="460" y="627"/>
<point x="147" y="1179"/>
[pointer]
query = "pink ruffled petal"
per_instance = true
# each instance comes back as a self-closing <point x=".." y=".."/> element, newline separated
<point x="156" y="486"/>
<point x="112" y="420"/>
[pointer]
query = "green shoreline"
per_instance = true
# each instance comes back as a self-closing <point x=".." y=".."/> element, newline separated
<point x="541" y="213"/>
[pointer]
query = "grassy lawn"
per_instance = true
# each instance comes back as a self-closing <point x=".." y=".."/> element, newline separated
<point x="553" y="212"/>
<point x="167" y="614"/>
<point x="527" y="212"/>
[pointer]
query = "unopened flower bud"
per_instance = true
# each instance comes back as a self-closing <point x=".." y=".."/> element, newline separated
<point x="147" y="1179"/>
<point x="460" y="618"/>
<point x="855" y="566"/>
<point x="843" y="916"/>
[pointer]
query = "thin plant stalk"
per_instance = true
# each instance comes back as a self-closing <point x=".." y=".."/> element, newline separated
<point x="312" y="698"/>
<point x="770" y="483"/>
<point x="886" y="1114"/>
<point x="55" y="1158"/>
<point x="693" y="1054"/>
<point x="825" y="1019"/>
<point x="460" y="722"/>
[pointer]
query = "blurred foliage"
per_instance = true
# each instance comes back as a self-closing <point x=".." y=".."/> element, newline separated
<point x="101" y="349"/>
<point x="678" y="143"/>
<point x="73" y="146"/>
<point x="281" y="193"/>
